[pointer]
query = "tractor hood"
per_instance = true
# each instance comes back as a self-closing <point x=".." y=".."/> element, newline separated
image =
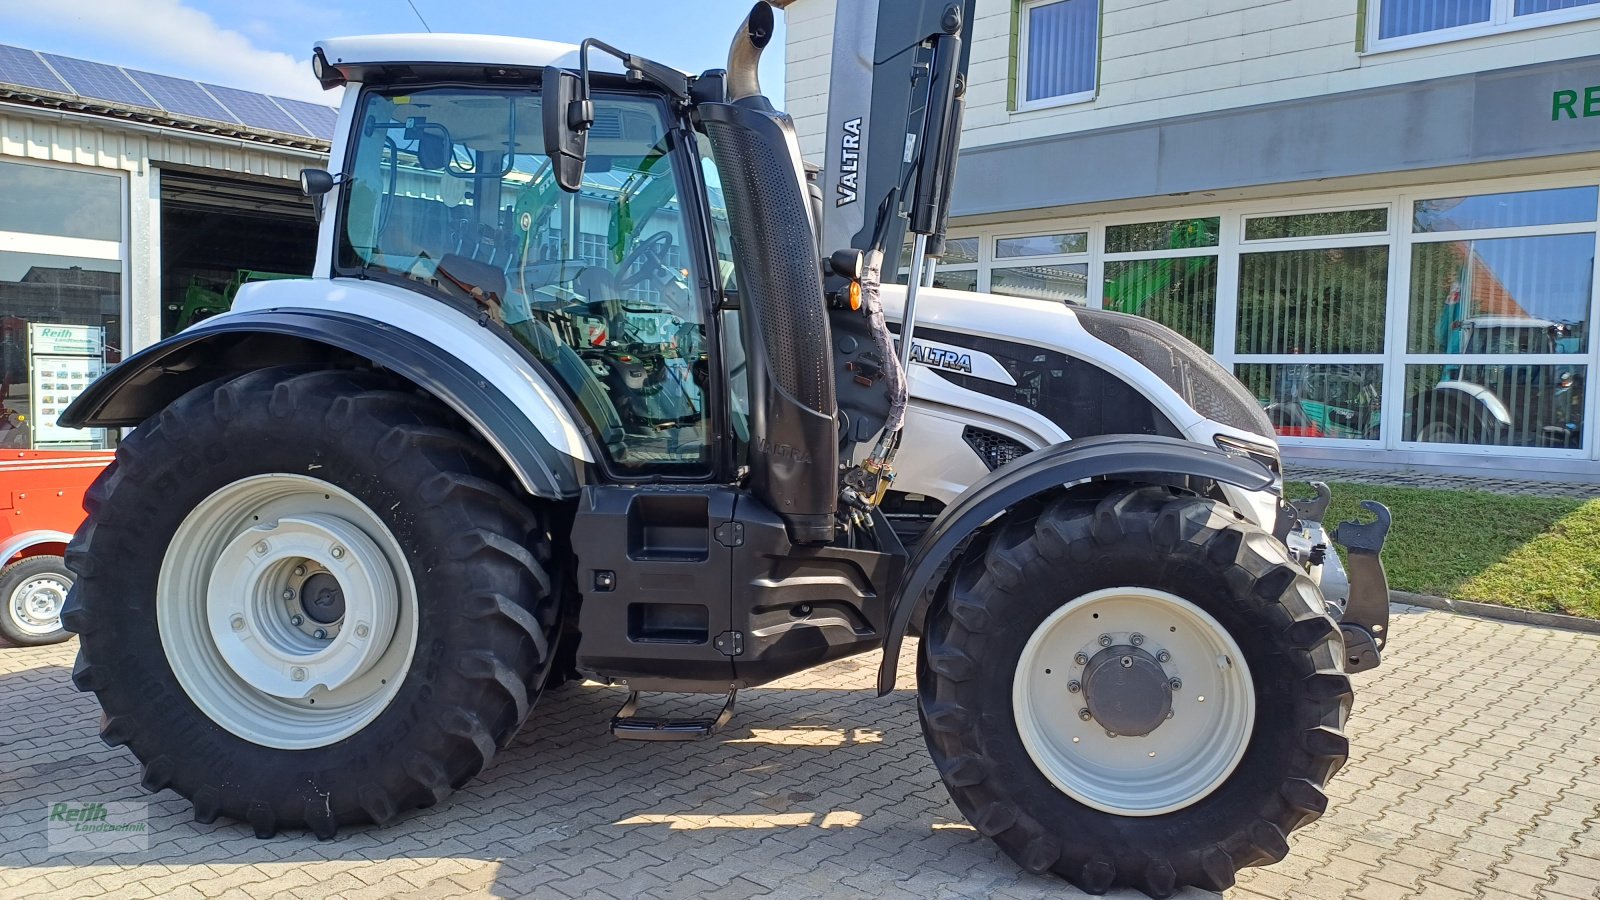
<point x="1189" y="387"/>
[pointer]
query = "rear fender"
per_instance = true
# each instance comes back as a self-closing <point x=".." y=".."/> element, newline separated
<point x="150" y="380"/>
<point x="1123" y="457"/>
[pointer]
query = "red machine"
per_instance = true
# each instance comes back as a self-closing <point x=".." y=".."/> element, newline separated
<point x="41" y="505"/>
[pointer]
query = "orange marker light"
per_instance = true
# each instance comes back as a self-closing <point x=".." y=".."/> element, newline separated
<point x="855" y="295"/>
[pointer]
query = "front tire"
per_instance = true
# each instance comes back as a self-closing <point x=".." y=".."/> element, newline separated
<point x="1061" y="682"/>
<point x="308" y="599"/>
<point x="33" y="590"/>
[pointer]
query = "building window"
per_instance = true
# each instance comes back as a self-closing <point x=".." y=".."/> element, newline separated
<point x="60" y="298"/>
<point x="1501" y="298"/>
<point x="1166" y="272"/>
<point x="1052" y="267"/>
<point x="958" y="270"/>
<point x="1404" y="23"/>
<point x="1060" y="44"/>
<point x="1318" y="314"/>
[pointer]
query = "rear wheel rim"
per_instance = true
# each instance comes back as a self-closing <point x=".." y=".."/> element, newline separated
<point x="248" y="645"/>
<point x="35" y="604"/>
<point x="1183" y="758"/>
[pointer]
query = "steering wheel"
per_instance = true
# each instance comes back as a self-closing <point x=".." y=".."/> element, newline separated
<point x="647" y="257"/>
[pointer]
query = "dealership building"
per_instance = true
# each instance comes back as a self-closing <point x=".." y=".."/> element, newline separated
<point x="132" y="203"/>
<point x="1380" y="214"/>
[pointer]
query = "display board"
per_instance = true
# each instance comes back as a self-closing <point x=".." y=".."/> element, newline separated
<point x="62" y="361"/>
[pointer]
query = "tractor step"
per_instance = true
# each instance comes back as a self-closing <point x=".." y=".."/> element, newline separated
<point x="625" y="725"/>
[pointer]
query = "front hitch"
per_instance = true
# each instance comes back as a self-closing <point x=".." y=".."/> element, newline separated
<point x="1357" y="594"/>
<point x="1365" y="623"/>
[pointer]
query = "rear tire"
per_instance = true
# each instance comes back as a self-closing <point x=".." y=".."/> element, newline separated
<point x="33" y="590"/>
<point x="194" y="649"/>
<point x="1212" y="599"/>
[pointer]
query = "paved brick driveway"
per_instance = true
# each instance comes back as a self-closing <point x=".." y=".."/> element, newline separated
<point x="1474" y="773"/>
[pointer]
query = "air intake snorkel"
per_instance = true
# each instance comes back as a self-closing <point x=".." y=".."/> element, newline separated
<point x="783" y="316"/>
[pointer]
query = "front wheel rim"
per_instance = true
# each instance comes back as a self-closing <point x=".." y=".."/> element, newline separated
<point x="287" y="611"/>
<point x="35" y="604"/>
<point x="1193" y="743"/>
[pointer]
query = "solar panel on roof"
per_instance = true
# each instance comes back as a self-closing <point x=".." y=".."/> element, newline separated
<point x="256" y="110"/>
<point x="318" y="119"/>
<point x="98" y="80"/>
<point x="180" y="96"/>
<point x="25" y="68"/>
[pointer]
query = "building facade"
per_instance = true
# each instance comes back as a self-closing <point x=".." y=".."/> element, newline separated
<point x="1380" y="214"/>
<point x="131" y="204"/>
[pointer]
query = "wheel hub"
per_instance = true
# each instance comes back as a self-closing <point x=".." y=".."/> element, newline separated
<point x="301" y="604"/>
<point x="1127" y="691"/>
<point x="322" y="598"/>
<point x="37" y="604"/>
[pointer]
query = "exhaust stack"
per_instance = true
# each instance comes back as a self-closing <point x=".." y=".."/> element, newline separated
<point x="744" y="55"/>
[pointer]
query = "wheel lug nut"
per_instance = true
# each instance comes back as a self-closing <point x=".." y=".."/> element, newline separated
<point x="320" y="634"/>
<point x="298" y="674"/>
<point x="261" y="548"/>
<point x="1163" y="656"/>
<point x="1074" y="687"/>
<point x="237" y="622"/>
<point x="1105" y="640"/>
<point x="1085" y="715"/>
<point x="1110" y="733"/>
<point x="1136" y="639"/>
<point x="337" y="552"/>
<point x="1081" y="659"/>
<point x="1170" y="713"/>
<point x="1176" y="684"/>
<point x="288" y="594"/>
<point x="296" y="621"/>
<point x="362" y="631"/>
<point x="299" y="570"/>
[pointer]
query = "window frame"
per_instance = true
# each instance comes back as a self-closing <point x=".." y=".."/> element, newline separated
<point x="105" y="250"/>
<point x="1025" y="10"/>
<point x="1502" y="20"/>
<point x="685" y="155"/>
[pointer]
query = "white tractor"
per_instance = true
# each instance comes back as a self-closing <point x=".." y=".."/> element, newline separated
<point x="584" y="384"/>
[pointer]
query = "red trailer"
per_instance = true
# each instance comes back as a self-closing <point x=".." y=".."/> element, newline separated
<point x="41" y="505"/>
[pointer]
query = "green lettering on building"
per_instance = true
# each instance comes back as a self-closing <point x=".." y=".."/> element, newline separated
<point x="1575" y="104"/>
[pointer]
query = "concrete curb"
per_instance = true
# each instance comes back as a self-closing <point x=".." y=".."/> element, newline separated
<point x="1501" y="613"/>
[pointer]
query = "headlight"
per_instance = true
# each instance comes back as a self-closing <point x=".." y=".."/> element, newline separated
<point x="1265" y="454"/>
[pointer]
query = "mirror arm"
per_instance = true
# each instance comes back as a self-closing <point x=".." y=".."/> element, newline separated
<point x="639" y="68"/>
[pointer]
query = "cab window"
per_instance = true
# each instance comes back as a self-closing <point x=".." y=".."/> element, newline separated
<point x="452" y="195"/>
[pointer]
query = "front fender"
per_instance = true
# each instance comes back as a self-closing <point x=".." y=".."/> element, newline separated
<point x="148" y="381"/>
<point x="1129" y="457"/>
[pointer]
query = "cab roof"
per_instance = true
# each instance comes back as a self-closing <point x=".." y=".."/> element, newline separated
<point x="353" y="55"/>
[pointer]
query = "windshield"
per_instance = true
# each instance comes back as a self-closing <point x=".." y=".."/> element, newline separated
<point x="451" y="191"/>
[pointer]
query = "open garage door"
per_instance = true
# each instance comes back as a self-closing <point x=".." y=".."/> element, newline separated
<point x="218" y="233"/>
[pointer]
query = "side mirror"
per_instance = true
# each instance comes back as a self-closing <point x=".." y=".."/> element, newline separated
<point x="568" y="113"/>
<point x="315" y="182"/>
